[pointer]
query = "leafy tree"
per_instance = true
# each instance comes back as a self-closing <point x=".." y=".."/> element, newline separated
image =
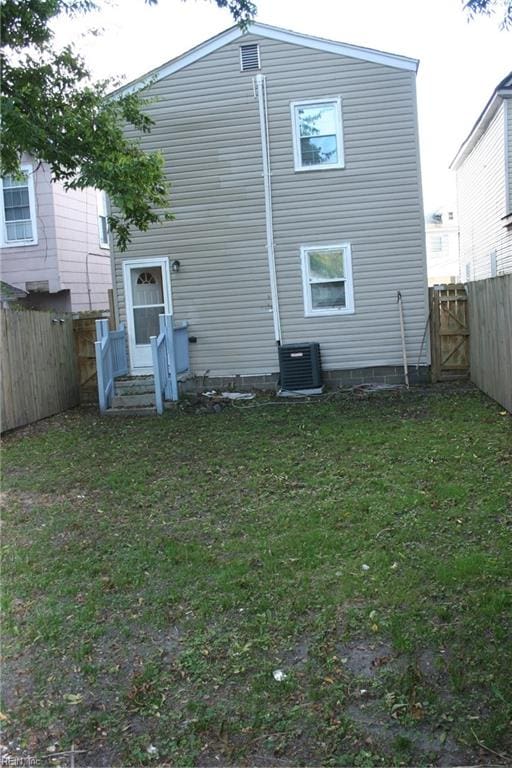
<point x="52" y="110"/>
<point x="489" y="7"/>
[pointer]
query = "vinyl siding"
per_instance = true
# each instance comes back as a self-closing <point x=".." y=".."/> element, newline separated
<point x="207" y="126"/>
<point x="35" y="263"/>
<point x="508" y="152"/>
<point x="84" y="267"/>
<point x="482" y="203"/>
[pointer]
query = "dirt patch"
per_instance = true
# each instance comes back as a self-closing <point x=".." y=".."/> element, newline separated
<point x="423" y="743"/>
<point x="368" y="659"/>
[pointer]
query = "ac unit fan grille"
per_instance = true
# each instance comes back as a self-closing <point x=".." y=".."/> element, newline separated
<point x="300" y="366"/>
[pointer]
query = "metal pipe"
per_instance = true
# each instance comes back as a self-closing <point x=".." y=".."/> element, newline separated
<point x="267" y="184"/>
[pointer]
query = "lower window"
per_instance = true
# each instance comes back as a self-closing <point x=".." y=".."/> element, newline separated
<point x="327" y="279"/>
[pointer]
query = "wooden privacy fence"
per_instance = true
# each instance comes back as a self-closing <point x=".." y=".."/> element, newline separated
<point x="449" y="332"/>
<point x="38" y="366"/>
<point x="84" y="328"/>
<point x="490" y="322"/>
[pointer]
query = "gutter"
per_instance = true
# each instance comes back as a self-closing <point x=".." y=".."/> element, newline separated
<point x="261" y="89"/>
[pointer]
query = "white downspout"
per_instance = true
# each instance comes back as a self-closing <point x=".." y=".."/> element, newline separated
<point x="267" y="184"/>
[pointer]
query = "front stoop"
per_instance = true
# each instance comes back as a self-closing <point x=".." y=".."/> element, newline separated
<point x="133" y="396"/>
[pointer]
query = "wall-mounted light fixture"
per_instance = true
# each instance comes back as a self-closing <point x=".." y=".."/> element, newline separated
<point x="175" y="265"/>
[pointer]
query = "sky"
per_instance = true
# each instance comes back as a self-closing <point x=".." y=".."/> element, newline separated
<point x="461" y="62"/>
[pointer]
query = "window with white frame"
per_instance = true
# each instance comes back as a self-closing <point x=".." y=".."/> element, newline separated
<point x="18" y="208"/>
<point x="317" y="134"/>
<point x="102" y="218"/>
<point x="327" y="279"/>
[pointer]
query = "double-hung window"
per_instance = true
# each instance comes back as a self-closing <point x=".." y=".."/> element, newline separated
<point x="18" y="211"/>
<point x="327" y="279"/>
<point x="317" y="134"/>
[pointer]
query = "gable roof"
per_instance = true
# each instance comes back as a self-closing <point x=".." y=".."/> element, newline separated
<point x="272" y="33"/>
<point x="10" y="292"/>
<point x="502" y="91"/>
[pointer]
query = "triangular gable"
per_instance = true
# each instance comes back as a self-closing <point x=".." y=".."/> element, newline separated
<point x="272" y="33"/>
<point x="502" y="91"/>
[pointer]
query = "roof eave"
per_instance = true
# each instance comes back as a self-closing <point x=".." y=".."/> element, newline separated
<point x="275" y="33"/>
<point x="483" y="120"/>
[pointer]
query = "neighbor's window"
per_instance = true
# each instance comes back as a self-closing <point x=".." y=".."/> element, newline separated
<point x="102" y="218"/>
<point x="317" y="134"/>
<point x="436" y="243"/>
<point x="18" y="209"/>
<point x="327" y="279"/>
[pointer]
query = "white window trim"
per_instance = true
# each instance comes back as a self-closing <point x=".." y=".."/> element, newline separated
<point x="297" y="157"/>
<point x="349" y="287"/>
<point x="5" y="243"/>
<point x="101" y="203"/>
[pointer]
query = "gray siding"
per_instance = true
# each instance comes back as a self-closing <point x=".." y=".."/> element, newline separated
<point x="482" y="204"/>
<point x="207" y="126"/>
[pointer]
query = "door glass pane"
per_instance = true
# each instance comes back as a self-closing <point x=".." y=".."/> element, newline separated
<point x="147" y="286"/>
<point x="326" y="264"/>
<point x="145" y="320"/>
<point x="328" y="295"/>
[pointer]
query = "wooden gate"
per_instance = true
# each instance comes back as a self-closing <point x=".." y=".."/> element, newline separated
<point x="449" y="332"/>
<point x="38" y="366"/>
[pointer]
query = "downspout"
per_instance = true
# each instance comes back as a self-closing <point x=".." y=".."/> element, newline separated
<point x="261" y="89"/>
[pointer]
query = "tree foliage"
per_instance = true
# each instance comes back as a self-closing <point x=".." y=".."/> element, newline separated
<point x="53" y="111"/>
<point x="489" y="7"/>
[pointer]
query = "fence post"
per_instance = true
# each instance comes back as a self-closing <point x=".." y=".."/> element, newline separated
<point x="435" y="339"/>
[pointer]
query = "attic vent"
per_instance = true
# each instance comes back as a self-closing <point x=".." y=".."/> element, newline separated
<point x="249" y="57"/>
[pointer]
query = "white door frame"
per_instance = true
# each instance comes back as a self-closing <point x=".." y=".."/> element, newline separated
<point x="129" y="264"/>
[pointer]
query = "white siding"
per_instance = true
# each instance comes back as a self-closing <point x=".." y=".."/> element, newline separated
<point x="207" y="127"/>
<point x="482" y="204"/>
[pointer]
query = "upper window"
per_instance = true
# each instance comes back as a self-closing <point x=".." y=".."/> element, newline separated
<point x="102" y="218"/>
<point x="317" y="134"/>
<point x="327" y="279"/>
<point x="18" y="209"/>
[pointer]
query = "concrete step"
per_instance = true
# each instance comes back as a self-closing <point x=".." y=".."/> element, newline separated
<point x="129" y="412"/>
<point x="138" y="386"/>
<point x="136" y="400"/>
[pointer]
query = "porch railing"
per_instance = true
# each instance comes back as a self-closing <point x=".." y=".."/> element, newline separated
<point x="170" y="357"/>
<point x="111" y="360"/>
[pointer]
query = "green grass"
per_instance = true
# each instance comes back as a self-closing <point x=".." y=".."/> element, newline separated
<point x="157" y="571"/>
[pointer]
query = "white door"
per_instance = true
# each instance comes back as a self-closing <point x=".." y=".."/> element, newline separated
<point x="148" y="295"/>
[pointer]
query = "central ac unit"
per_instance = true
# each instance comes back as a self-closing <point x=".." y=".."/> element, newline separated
<point x="300" y="366"/>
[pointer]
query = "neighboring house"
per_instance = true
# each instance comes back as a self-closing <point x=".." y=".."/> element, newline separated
<point x="54" y="244"/>
<point x="10" y="296"/>
<point x="483" y="166"/>
<point x="298" y="211"/>
<point x="442" y="237"/>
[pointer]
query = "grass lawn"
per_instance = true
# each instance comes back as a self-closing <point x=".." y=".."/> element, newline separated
<point x="159" y="574"/>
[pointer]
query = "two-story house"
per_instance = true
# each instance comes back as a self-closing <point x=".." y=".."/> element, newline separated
<point x="483" y="166"/>
<point x="298" y="209"/>
<point x="442" y="237"/>
<point x="54" y="243"/>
